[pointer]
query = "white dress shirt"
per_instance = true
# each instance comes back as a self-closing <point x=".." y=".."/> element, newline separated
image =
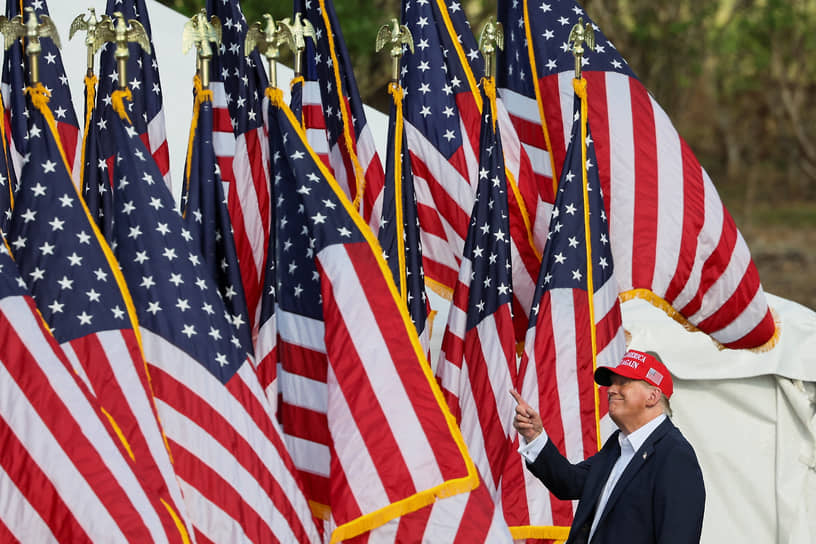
<point x="629" y="444"/>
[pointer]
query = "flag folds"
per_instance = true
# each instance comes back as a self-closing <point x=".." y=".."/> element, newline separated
<point x="442" y="120"/>
<point x="62" y="476"/>
<point x="81" y="295"/>
<point x="575" y="325"/>
<point x="674" y="242"/>
<point x="52" y="75"/>
<point x="206" y="215"/>
<point x="366" y="423"/>
<point x="477" y="365"/>
<point x="239" y="140"/>
<point x="333" y="112"/>
<point x="237" y="478"/>
<point x="399" y="226"/>
<point x="146" y="110"/>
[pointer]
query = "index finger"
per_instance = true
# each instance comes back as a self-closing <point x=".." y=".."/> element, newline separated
<point x="516" y="396"/>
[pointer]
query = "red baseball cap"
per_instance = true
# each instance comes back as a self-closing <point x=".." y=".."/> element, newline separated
<point x="638" y="365"/>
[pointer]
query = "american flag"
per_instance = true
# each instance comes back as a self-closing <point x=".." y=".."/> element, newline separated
<point x="80" y="293"/>
<point x="443" y="117"/>
<point x="477" y="364"/>
<point x="520" y="110"/>
<point x="399" y="225"/>
<point x="237" y="478"/>
<point x="266" y="341"/>
<point x="674" y="242"/>
<point x="52" y="76"/>
<point x="532" y="194"/>
<point x="62" y="477"/>
<point x="95" y="181"/>
<point x="204" y="208"/>
<point x="333" y="112"/>
<point x="567" y="324"/>
<point x="238" y="83"/>
<point x="146" y="110"/>
<point x="362" y="415"/>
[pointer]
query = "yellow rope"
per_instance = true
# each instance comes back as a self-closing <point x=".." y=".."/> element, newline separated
<point x="201" y="95"/>
<point x="359" y="174"/>
<point x="118" y="102"/>
<point x="397" y="93"/>
<point x="90" y="100"/>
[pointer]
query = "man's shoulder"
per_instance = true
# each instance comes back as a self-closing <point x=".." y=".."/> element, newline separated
<point x="672" y="440"/>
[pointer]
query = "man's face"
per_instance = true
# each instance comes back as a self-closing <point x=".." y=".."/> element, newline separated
<point x="628" y="402"/>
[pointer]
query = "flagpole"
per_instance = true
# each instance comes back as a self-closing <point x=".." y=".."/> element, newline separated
<point x="397" y="35"/>
<point x="580" y="35"/>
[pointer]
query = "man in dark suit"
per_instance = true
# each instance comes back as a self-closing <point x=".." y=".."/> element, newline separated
<point x="645" y="486"/>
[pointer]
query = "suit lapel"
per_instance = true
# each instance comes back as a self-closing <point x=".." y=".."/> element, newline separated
<point x="642" y="456"/>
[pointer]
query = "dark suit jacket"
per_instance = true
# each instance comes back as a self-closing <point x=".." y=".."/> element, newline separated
<point x="659" y="498"/>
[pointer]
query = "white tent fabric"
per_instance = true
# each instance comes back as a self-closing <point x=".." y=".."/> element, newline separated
<point x="750" y="416"/>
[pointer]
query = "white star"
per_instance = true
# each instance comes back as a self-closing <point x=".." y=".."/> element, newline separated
<point x="189" y="330"/>
<point x="576" y="274"/>
<point x="39" y="189"/>
<point x="135" y="232"/>
<point x="153" y="308"/>
<point x="37" y="274"/>
<point x="84" y="318"/>
<point x="559" y="258"/>
<point x="29" y="215"/>
<point x="221" y="359"/>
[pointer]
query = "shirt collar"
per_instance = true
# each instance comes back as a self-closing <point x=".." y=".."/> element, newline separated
<point x="637" y="437"/>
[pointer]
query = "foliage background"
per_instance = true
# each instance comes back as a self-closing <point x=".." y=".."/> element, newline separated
<point x="734" y="76"/>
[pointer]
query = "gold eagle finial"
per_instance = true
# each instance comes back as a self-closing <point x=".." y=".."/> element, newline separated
<point x="579" y="35"/>
<point x="399" y="37"/>
<point x="29" y="27"/>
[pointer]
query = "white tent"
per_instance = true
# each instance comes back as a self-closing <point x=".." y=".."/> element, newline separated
<point x="750" y="416"/>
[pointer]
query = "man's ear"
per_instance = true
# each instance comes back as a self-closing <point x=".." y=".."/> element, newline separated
<point x="654" y="396"/>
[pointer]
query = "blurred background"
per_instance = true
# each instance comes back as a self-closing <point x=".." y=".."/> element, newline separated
<point x="734" y="76"/>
